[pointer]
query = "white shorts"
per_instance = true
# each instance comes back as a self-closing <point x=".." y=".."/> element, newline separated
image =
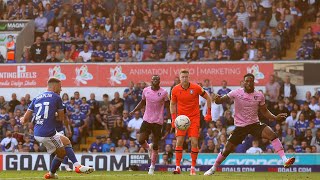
<point x="61" y="132"/>
<point x="51" y="143"/>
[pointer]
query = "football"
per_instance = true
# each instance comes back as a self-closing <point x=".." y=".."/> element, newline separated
<point x="182" y="122"/>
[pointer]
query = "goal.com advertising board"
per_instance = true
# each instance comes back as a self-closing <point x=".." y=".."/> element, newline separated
<point x="119" y="75"/>
<point x="120" y="162"/>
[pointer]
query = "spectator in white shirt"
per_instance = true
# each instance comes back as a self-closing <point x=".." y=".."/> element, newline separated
<point x="170" y="55"/>
<point x="9" y="144"/>
<point x="134" y="125"/>
<point x="216" y="30"/>
<point x="255" y="149"/>
<point x="182" y="18"/>
<point x="292" y="119"/>
<point x="243" y="16"/>
<point x="313" y="104"/>
<point x="202" y="30"/>
<point x="85" y="54"/>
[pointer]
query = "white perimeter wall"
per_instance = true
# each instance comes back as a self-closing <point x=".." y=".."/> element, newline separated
<point x="6" y="92"/>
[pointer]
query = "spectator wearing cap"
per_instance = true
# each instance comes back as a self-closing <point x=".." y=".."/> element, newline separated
<point x="96" y="145"/>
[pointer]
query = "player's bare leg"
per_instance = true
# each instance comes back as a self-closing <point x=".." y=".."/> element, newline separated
<point x="269" y="134"/>
<point x="194" y="154"/>
<point x="179" y="150"/>
<point x="143" y="142"/>
<point x="154" y="155"/>
<point x="70" y="154"/>
<point x="229" y="148"/>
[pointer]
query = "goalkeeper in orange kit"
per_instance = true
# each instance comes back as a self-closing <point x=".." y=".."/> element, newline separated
<point x="185" y="101"/>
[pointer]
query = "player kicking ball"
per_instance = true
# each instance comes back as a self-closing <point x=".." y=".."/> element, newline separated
<point x="185" y="101"/>
<point x="154" y="98"/>
<point x="248" y="103"/>
<point x="45" y="106"/>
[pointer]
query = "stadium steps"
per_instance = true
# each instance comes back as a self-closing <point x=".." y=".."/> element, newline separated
<point x="90" y="140"/>
<point x="100" y="133"/>
<point x="291" y="53"/>
<point x="84" y="146"/>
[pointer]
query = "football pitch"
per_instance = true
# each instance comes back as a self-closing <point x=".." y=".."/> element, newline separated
<point x="129" y="175"/>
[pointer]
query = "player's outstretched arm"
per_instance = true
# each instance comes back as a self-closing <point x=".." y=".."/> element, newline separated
<point x="265" y="111"/>
<point x="26" y="118"/>
<point x="220" y="100"/>
<point x="141" y="104"/>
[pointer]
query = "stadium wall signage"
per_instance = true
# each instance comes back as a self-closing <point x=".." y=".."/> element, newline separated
<point x="242" y="168"/>
<point x="12" y="25"/>
<point x="120" y="162"/>
<point x="116" y="75"/>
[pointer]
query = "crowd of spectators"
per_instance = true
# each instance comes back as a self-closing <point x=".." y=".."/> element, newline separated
<point x="153" y="30"/>
<point x="299" y="133"/>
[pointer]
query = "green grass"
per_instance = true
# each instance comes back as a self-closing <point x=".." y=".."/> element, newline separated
<point x="129" y="175"/>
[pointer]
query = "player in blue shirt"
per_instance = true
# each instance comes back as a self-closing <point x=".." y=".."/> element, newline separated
<point x="45" y="106"/>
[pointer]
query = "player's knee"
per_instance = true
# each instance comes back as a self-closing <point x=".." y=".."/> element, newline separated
<point x="273" y="136"/>
<point x="61" y="152"/>
<point x="141" y="141"/>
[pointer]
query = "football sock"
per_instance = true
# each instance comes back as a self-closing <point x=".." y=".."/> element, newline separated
<point x="279" y="149"/>
<point x="154" y="157"/>
<point x="219" y="160"/>
<point x="56" y="162"/>
<point x="65" y="161"/>
<point x="71" y="155"/>
<point x="194" y="156"/>
<point x="178" y="155"/>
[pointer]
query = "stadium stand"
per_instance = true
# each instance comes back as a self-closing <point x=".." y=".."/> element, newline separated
<point x="166" y="31"/>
